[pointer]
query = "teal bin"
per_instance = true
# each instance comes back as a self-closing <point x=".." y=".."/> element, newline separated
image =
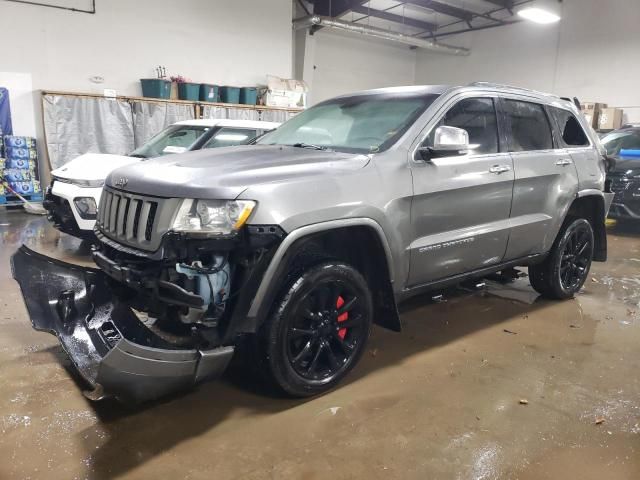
<point x="156" y="88"/>
<point x="230" y="94"/>
<point x="208" y="93"/>
<point x="249" y="95"/>
<point x="189" y="91"/>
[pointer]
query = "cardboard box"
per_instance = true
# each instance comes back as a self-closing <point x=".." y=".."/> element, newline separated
<point x="593" y="106"/>
<point x="592" y="118"/>
<point x="610" y="119"/>
<point x="287" y="93"/>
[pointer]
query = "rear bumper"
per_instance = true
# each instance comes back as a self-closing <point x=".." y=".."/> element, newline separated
<point x="623" y="211"/>
<point x="110" y="347"/>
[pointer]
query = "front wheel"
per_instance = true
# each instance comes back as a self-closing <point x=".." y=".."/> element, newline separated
<point x="318" y="330"/>
<point x="565" y="270"/>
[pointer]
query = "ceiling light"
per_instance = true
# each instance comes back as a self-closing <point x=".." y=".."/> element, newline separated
<point x="539" y="15"/>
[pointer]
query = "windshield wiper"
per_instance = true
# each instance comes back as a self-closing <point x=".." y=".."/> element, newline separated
<point x="137" y="155"/>
<point x="309" y="145"/>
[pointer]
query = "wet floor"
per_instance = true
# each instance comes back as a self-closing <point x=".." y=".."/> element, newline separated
<point x="485" y="385"/>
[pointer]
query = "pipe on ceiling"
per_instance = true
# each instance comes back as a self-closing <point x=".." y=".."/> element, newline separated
<point x="321" y="21"/>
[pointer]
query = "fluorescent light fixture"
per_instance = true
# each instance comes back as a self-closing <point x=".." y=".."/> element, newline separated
<point x="539" y="15"/>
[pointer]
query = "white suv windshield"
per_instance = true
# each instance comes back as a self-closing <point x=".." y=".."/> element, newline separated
<point x="174" y="139"/>
<point x="359" y="124"/>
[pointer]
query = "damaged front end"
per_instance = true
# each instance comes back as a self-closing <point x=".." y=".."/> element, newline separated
<point x="115" y="351"/>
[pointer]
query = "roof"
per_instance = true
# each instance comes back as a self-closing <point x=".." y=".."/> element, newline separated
<point x="221" y="122"/>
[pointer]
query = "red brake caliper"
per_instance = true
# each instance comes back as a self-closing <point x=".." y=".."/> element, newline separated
<point x="342" y="318"/>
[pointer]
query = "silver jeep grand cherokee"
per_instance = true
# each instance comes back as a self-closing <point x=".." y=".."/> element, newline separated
<point x="296" y="245"/>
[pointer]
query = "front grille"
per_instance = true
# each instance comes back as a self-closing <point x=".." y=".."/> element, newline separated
<point x="619" y="184"/>
<point x="123" y="216"/>
<point x="135" y="220"/>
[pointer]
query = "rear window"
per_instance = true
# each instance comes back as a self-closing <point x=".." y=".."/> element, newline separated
<point x="530" y="128"/>
<point x="571" y="131"/>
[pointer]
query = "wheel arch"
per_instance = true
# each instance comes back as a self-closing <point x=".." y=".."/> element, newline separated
<point x="591" y="205"/>
<point x="355" y="241"/>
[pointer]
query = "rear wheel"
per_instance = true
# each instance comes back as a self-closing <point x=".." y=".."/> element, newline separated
<point x="565" y="270"/>
<point x="318" y="330"/>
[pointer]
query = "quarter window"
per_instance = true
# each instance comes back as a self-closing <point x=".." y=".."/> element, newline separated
<point x="530" y="128"/>
<point x="478" y="117"/>
<point x="572" y="133"/>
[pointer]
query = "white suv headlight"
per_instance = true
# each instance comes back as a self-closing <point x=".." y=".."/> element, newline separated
<point x="213" y="217"/>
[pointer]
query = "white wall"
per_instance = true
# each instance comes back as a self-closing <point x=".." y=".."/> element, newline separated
<point x="233" y="42"/>
<point x="348" y="62"/>
<point x="593" y="53"/>
<point x="219" y="41"/>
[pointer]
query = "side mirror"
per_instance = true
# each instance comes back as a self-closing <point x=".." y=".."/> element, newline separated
<point x="447" y="142"/>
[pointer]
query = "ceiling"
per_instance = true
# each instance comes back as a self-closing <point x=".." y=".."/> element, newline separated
<point x="423" y="18"/>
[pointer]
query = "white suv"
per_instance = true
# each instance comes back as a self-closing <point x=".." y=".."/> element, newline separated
<point x="72" y="199"/>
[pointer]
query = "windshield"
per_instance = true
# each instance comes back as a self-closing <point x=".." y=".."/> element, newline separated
<point x="624" y="140"/>
<point x="359" y="124"/>
<point x="174" y="139"/>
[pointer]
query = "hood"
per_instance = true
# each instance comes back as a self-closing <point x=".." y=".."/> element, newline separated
<point x="626" y="166"/>
<point x="226" y="172"/>
<point x="92" y="166"/>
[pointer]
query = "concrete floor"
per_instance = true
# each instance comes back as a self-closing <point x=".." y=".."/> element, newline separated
<point x="440" y="400"/>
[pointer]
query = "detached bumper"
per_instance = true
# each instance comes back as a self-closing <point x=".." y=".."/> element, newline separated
<point x="110" y="347"/>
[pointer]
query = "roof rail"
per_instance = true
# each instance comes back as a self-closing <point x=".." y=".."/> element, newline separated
<point x="511" y="87"/>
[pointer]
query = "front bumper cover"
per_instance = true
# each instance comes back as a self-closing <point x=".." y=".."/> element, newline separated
<point x="109" y="346"/>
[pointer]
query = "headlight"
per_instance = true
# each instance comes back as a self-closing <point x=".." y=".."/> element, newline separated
<point x="86" y="207"/>
<point x="80" y="183"/>
<point x="214" y="217"/>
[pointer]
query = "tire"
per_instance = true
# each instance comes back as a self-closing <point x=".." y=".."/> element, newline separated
<point x="309" y="343"/>
<point x="564" y="271"/>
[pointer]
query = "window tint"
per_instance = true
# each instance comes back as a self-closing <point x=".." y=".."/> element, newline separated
<point x="572" y="133"/>
<point x="478" y="117"/>
<point x="228" y="137"/>
<point x="530" y="129"/>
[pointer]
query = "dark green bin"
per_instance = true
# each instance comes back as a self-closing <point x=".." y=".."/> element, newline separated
<point x="230" y="94"/>
<point x="249" y="95"/>
<point x="156" y="88"/>
<point x="208" y="93"/>
<point x="189" y="91"/>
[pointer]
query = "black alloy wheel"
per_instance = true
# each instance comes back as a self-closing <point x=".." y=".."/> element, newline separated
<point x="318" y="330"/>
<point x="576" y="257"/>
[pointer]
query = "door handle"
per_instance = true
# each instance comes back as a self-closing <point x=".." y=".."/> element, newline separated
<point x="564" y="162"/>
<point x="498" y="169"/>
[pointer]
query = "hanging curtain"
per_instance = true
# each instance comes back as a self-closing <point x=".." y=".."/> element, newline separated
<point x="150" y="118"/>
<point x="77" y="125"/>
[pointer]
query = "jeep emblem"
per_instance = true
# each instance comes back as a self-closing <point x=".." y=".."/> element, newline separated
<point x="122" y="182"/>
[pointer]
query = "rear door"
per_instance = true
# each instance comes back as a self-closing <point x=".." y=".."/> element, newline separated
<point x="546" y="180"/>
<point x="461" y="204"/>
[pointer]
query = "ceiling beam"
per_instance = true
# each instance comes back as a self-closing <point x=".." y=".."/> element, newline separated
<point x="456" y="12"/>
<point x="508" y="4"/>
<point x="335" y="8"/>
<point x="392" y="17"/>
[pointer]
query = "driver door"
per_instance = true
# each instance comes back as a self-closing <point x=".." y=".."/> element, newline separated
<point x="462" y="202"/>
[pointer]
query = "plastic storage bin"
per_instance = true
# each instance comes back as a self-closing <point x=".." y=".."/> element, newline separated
<point x="208" y="93"/>
<point x="230" y="94"/>
<point x="156" y="88"/>
<point x="189" y="91"/>
<point x="249" y="95"/>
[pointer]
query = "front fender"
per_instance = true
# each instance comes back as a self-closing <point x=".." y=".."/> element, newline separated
<point x="277" y="267"/>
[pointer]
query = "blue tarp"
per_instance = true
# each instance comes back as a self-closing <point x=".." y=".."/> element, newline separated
<point x="5" y="113"/>
<point x="630" y="153"/>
